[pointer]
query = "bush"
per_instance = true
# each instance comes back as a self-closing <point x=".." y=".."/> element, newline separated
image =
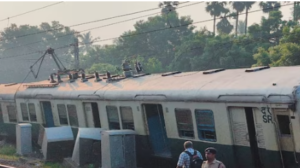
<point x="7" y="150"/>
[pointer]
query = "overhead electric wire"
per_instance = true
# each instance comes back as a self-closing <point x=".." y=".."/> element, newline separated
<point x="79" y="24"/>
<point x="185" y="25"/>
<point x="54" y="38"/>
<point x="30" y="11"/>
<point x="153" y="30"/>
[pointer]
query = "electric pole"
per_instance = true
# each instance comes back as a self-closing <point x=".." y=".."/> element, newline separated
<point x="76" y="53"/>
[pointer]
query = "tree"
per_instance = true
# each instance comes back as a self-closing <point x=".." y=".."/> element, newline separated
<point x="168" y="6"/>
<point x="215" y="9"/>
<point x="269" y="6"/>
<point x="248" y="6"/>
<point x="87" y="40"/>
<point x="102" y="68"/>
<point x="22" y="51"/>
<point x="238" y="7"/>
<point x="241" y="27"/>
<point x="224" y="25"/>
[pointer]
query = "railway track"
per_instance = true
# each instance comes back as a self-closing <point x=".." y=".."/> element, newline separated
<point x="5" y="166"/>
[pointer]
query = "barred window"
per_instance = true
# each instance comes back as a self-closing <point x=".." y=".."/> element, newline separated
<point x="205" y="125"/>
<point x="127" y="118"/>
<point x="12" y="113"/>
<point x="113" y="117"/>
<point x="184" y="123"/>
<point x="62" y="112"/>
<point x="24" y="112"/>
<point x="32" y="112"/>
<point x="72" y="115"/>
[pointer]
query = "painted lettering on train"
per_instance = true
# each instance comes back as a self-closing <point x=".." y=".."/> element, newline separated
<point x="267" y="116"/>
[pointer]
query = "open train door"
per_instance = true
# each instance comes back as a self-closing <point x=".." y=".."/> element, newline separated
<point x="245" y="141"/>
<point x="285" y="137"/>
<point x="47" y="112"/>
<point x="91" y="112"/>
<point x="157" y="130"/>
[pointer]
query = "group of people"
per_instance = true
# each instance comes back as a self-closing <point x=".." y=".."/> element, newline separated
<point x="191" y="158"/>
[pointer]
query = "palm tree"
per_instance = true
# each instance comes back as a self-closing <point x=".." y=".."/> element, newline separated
<point x="168" y="6"/>
<point x="224" y="25"/>
<point x="239" y="7"/>
<point x="87" y="40"/>
<point x="269" y="6"/>
<point x="248" y="6"/>
<point x="215" y="9"/>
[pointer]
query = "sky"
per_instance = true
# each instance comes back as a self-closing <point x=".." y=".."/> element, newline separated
<point x="71" y="13"/>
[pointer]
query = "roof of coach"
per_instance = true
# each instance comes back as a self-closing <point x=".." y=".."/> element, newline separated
<point x="261" y="84"/>
<point x="7" y="91"/>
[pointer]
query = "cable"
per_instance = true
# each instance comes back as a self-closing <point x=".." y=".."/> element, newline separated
<point x="49" y="30"/>
<point x="54" y="38"/>
<point x="203" y="21"/>
<point x="154" y="30"/>
<point x="30" y="11"/>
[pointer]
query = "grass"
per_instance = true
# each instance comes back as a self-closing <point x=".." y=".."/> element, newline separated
<point x="52" y="165"/>
<point x="9" y="150"/>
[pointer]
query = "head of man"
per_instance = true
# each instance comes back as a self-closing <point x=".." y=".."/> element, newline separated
<point x="210" y="153"/>
<point x="188" y="144"/>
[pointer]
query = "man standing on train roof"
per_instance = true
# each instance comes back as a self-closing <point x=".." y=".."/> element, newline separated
<point x="189" y="158"/>
<point x="212" y="162"/>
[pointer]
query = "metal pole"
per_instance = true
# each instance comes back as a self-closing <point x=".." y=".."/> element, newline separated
<point x="76" y="53"/>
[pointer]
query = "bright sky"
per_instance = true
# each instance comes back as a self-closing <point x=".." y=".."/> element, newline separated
<point x="70" y="13"/>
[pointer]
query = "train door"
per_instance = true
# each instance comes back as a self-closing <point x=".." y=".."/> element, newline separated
<point x="245" y="137"/>
<point x="285" y="134"/>
<point x="48" y="115"/>
<point x="157" y="130"/>
<point x="91" y="111"/>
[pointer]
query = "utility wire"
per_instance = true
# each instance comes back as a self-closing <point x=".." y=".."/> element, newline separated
<point x="185" y="25"/>
<point x="55" y="38"/>
<point x="147" y="31"/>
<point x="79" y="24"/>
<point x="31" y="11"/>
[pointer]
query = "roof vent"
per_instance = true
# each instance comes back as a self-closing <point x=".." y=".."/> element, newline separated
<point x="171" y="73"/>
<point x="213" y="71"/>
<point x="257" y="69"/>
<point x="140" y="75"/>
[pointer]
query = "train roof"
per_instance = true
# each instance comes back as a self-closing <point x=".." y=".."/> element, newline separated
<point x="7" y="91"/>
<point x="263" y="84"/>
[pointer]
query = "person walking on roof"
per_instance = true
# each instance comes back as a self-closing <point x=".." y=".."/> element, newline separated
<point x="189" y="158"/>
<point x="212" y="162"/>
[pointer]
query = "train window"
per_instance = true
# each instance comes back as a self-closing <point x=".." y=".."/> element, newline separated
<point x="184" y="123"/>
<point x="32" y="112"/>
<point x="62" y="112"/>
<point x="24" y="112"/>
<point x="12" y="113"/>
<point x="284" y="124"/>
<point x="127" y="118"/>
<point x="72" y="115"/>
<point x="113" y="117"/>
<point x="205" y="125"/>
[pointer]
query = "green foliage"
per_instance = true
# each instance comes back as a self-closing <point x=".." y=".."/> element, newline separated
<point x="102" y="68"/>
<point x="172" y="43"/>
<point x="7" y="150"/>
<point x="52" y="165"/>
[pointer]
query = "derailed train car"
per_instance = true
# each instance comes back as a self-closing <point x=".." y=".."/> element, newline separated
<point x="250" y="115"/>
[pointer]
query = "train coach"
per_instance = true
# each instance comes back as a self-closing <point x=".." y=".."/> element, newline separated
<point x="250" y="115"/>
